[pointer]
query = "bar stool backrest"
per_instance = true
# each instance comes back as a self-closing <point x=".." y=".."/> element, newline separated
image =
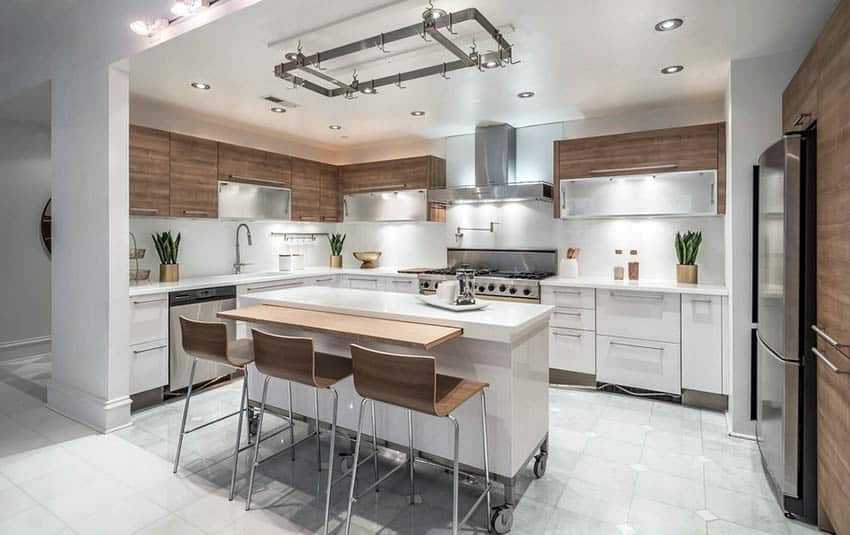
<point x="205" y="340"/>
<point x="285" y="357"/>
<point x="408" y="381"/>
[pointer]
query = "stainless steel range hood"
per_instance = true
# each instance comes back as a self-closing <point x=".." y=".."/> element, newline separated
<point x="495" y="169"/>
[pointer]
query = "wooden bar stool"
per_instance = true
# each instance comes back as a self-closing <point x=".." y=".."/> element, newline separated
<point x="293" y="359"/>
<point x="412" y="382"/>
<point x="208" y="341"/>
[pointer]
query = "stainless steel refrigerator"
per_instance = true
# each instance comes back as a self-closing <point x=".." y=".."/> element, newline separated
<point x="785" y="298"/>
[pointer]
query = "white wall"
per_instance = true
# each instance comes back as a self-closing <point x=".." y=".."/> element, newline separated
<point x="25" y="174"/>
<point x="754" y="121"/>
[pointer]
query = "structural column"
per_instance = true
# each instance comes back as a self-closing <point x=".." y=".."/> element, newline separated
<point x="90" y="327"/>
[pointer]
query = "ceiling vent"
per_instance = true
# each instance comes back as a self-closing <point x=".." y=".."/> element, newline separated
<point x="280" y="102"/>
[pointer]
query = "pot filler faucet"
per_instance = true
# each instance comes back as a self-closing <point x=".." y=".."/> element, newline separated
<point x="237" y="266"/>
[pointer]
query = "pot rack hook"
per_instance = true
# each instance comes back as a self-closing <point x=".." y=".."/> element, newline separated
<point x="450" y="27"/>
<point x="398" y="82"/>
<point x="443" y="74"/>
<point x="424" y="33"/>
<point x="381" y="46"/>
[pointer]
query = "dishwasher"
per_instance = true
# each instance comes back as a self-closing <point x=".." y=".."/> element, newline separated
<point x="202" y="304"/>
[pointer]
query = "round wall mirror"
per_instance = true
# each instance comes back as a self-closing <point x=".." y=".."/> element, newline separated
<point x="46" y="228"/>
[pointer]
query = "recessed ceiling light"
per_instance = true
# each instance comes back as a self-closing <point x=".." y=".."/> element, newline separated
<point x="148" y="27"/>
<point x="672" y="69"/>
<point x="335" y="127"/>
<point x="668" y="25"/>
<point x="278" y="109"/>
<point x="525" y="94"/>
<point x="417" y="113"/>
<point x="184" y="8"/>
<point x="201" y="85"/>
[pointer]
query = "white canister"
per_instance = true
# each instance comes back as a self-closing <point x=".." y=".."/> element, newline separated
<point x="568" y="268"/>
<point x="447" y="291"/>
<point x="284" y="262"/>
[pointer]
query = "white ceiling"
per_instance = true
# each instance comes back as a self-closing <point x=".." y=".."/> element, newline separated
<point x="582" y="58"/>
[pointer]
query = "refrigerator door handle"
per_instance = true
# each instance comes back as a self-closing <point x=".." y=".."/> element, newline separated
<point x="829" y="363"/>
<point x="828" y="339"/>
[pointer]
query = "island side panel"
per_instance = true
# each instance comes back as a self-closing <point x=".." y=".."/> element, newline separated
<point x="472" y="359"/>
<point x="530" y="395"/>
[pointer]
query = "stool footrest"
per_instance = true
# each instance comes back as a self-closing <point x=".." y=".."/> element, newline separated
<point x="348" y="472"/>
<point x="268" y="436"/>
<point x="284" y="450"/>
<point x="475" y="505"/>
<point x="381" y="480"/>
<point x="225" y="417"/>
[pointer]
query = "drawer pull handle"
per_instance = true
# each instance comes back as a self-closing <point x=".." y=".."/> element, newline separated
<point x="828" y="363"/>
<point x="145" y="210"/>
<point x="829" y="340"/>
<point x="706" y="301"/>
<point x="564" y="292"/>
<point x="325" y="280"/>
<point x="290" y="285"/>
<point x="255" y="179"/>
<point x="139" y="351"/>
<point x="567" y="335"/>
<point x="625" y="344"/>
<point x="362" y="280"/>
<point x="402" y="282"/>
<point x="161" y="300"/>
<point x="196" y="212"/>
<point x="576" y="314"/>
<point x="635" y="295"/>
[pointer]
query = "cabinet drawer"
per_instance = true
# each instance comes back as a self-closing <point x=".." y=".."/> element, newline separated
<point x="573" y="318"/>
<point x="148" y="366"/>
<point x="702" y="343"/>
<point x="407" y="286"/>
<point x="639" y="363"/>
<point x="329" y="280"/>
<point x="572" y="350"/>
<point x="642" y="315"/>
<point x="569" y="297"/>
<point x="148" y="318"/>
<point x="364" y="283"/>
<point x="269" y="286"/>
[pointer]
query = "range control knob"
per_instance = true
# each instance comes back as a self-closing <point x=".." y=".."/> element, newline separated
<point x="513" y="291"/>
<point x="502" y="288"/>
<point x="526" y="292"/>
<point x="426" y="284"/>
<point x="481" y="288"/>
<point x="491" y="287"/>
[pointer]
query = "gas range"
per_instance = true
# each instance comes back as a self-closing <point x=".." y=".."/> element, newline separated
<point x="513" y="274"/>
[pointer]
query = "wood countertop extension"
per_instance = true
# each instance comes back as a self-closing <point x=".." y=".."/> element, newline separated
<point x="419" y="335"/>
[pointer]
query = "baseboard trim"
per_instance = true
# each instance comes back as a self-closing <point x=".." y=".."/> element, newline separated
<point x="102" y="415"/>
<point x="27" y="347"/>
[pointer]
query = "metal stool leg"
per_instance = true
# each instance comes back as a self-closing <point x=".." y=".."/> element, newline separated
<point x="257" y="444"/>
<point x="375" y="444"/>
<point x="486" y="453"/>
<point x="242" y="402"/>
<point x="318" y="435"/>
<point x="331" y="459"/>
<point x="455" y="475"/>
<point x="410" y="455"/>
<point x="291" y="427"/>
<point x="185" y="414"/>
<point x="354" y="467"/>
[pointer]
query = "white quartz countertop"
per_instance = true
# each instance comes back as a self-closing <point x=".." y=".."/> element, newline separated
<point x="501" y="321"/>
<point x="640" y="285"/>
<point x="192" y="283"/>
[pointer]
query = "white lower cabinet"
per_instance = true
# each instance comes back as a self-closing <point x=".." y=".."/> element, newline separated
<point x="639" y="314"/>
<point x="148" y="366"/>
<point x="330" y="280"/>
<point x="572" y="350"/>
<point x="573" y="318"/>
<point x="639" y="363"/>
<point x="702" y="343"/>
<point x="358" y="282"/>
<point x="273" y="285"/>
<point x="401" y="285"/>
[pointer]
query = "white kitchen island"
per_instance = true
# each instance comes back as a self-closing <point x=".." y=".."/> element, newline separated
<point x="505" y="345"/>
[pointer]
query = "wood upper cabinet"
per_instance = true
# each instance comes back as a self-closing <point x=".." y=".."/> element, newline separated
<point x="800" y="98"/>
<point x="329" y="193"/>
<point x="245" y="164"/>
<point x="405" y="173"/>
<point x="194" y="177"/>
<point x="150" y="171"/>
<point x="689" y="148"/>
<point x="306" y="190"/>
<point x="833" y="257"/>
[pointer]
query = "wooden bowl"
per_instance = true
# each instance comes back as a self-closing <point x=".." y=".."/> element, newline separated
<point x="367" y="258"/>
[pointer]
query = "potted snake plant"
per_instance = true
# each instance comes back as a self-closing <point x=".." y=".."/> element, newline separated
<point x="687" y="249"/>
<point x="336" y="241"/>
<point x="167" y="248"/>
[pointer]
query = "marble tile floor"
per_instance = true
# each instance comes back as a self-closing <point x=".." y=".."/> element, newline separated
<point x="618" y="465"/>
